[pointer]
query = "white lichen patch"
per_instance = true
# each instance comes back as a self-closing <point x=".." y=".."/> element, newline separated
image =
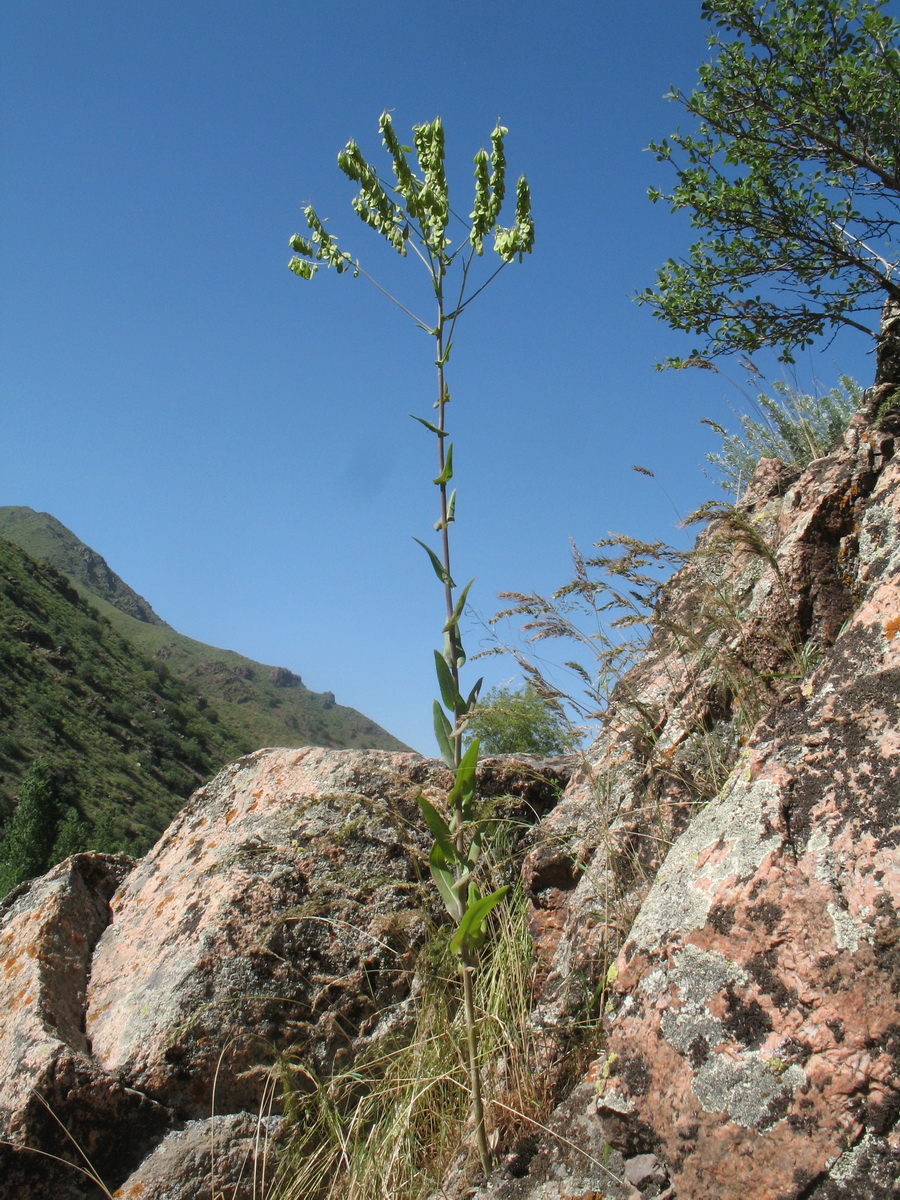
<point x="698" y="975"/>
<point x="684" y="892"/>
<point x="744" y="1086"/>
<point x="743" y="1083"/>
<point x="846" y="931"/>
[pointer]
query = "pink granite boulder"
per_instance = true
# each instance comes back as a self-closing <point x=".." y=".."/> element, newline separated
<point x="52" y="1093"/>
<point x="278" y="916"/>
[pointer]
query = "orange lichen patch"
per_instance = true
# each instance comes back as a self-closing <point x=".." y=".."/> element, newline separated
<point x="136" y="1189"/>
<point x="230" y="815"/>
<point x="891" y="628"/>
<point x="20" y="998"/>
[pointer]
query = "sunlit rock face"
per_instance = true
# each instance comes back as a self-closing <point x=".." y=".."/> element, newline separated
<point x="278" y="920"/>
<point x="757" y="1033"/>
<point x="283" y="908"/>
<point x="754" y="1006"/>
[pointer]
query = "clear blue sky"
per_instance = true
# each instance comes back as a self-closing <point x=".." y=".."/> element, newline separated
<point x="235" y="441"/>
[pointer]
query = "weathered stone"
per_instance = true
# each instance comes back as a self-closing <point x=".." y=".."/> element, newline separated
<point x="281" y="911"/>
<point x="679" y="718"/>
<point x="52" y="1095"/>
<point x="278" y="918"/>
<point x="757" y="1038"/>
<point x="233" y="1156"/>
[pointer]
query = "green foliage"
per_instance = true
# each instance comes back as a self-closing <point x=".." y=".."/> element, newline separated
<point x="105" y="720"/>
<point x="30" y="834"/>
<point x="414" y="211"/>
<point x="391" y="1126"/>
<point x="794" y="426"/>
<point x="791" y="174"/>
<point x="519" y="721"/>
<point x="257" y="705"/>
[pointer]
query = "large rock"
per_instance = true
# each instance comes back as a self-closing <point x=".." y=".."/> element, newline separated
<point x="281" y="911"/>
<point x="234" y="1156"/>
<point x="736" y="827"/>
<point x="276" y="922"/>
<point x="54" y="1098"/>
<point x="757" y="1040"/>
<point x="734" y="632"/>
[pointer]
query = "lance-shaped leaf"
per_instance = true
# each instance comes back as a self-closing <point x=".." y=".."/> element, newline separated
<point x="473" y="695"/>
<point x="449" y="691"/>
<point x="442" y="874"/>
<point x="439" y="828"/>
<point x="439" y="569"/>
<point x="447" y="473"/>
<point x="458" y="608"/>
<point x="471" y="931"/>
<point x="453" y="641"/>
<point x="442" y="734"/>
<point x="441" y="433"/>
<point x="473" y="852"/>
<point x="464" y="786"/>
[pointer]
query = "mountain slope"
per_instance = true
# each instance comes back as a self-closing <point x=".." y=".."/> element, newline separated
<point x="125" y="740"/>
<point x="263" y="705"/>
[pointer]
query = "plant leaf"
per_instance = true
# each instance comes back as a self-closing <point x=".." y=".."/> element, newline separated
<point x="447" y="474"/>
<point x="428" y="425"/>
<point x="458" y="608"/>
<point x="439" y="569"/>
<point x="449" y="694"/>
<point x="438" y="827"/>
<point x="464" y="787"/>
<point x="442" y="731"/>
<point x="443" y="880"/>
<point x="471" y="930"/>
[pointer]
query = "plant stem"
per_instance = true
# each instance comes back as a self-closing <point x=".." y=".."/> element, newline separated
<point x="466" y="970"/>
<point x="467" y="961"/>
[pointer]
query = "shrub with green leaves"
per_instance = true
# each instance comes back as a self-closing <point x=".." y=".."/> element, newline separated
<point x="519" y="721"/>
<point x="788" y="172"/>
<point x="412" y="212"/>
<point x="794" y="426"/>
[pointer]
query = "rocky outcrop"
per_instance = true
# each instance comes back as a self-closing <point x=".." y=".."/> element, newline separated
<point x="53" y="1094"/>
<point x="754" y="1028"/>
<point x="282" y="909"/>
<point x="144" y="1006"/>
<point x="719" y="881"/>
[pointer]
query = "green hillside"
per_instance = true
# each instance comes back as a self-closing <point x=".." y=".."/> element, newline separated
<point x="125" y="739"/>
<point x="262" y="705"/>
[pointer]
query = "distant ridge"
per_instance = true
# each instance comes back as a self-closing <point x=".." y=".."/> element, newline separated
<point x="48" y="540"/>
<point x="262" y="705"/>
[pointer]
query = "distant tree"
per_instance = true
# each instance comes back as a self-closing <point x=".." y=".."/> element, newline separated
<point x="27" y="843"/>
<point x="519" y="722"/>
<point x="73" y="834"/>
<point x="792" y="175"/>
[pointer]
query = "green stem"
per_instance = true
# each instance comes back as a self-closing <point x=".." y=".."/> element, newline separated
<point x="467" y="960"/>
<point x="467" y="970"/>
